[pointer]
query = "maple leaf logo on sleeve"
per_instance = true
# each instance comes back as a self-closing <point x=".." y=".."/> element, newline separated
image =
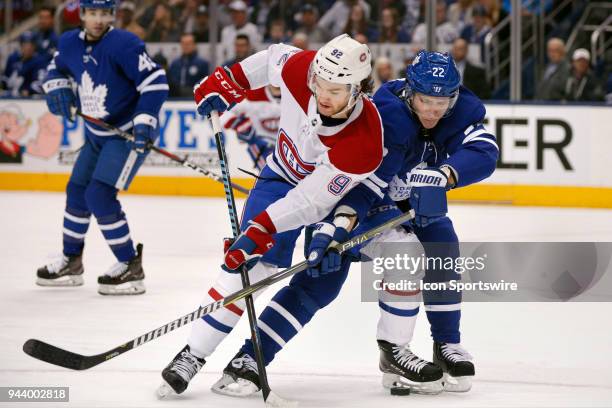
<point x="93" y="98"/>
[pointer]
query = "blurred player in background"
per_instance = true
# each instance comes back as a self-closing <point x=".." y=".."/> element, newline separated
<point x="120" y="84"/>
<point x="255" y="121"/>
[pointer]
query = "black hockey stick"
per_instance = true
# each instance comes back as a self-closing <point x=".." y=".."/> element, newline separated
<point x="244" y="272"/>
<point x="64" y="358"/>
<point x="173" y="157"/>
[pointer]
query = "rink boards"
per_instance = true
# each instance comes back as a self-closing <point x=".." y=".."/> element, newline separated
<point x="550" y="155"/>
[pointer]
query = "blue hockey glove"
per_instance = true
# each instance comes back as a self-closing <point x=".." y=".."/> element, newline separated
<point x="428" y="195"/>
<point x="322" y="261"/>
<point x="145" y="133"/>
<point x="259" y="147"/>
<point x="60" y="97"/>
<point x="217" y="92"/>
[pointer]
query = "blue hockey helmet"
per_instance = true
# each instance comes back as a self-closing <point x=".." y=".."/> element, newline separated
<point x="98" y="4"/>
<point x="433" y="73"/>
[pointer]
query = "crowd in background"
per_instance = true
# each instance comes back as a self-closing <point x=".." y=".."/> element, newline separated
<point x="244" y="27"/>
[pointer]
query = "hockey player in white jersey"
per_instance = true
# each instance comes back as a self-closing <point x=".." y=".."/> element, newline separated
<point x="255" y="121"/>
<point x="120" y="84"/>
<point x="329" y="139"/>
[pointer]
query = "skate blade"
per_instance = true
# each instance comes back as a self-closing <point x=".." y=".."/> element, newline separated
<point x="278" y="402"/>
<point x="164" y="390"/>
<point x="394" y="381"/>
<point x="64" y="281"/>
<point x="456" y="384"/>
<point x="226" y="385"/>
<point x="128" y="288"/>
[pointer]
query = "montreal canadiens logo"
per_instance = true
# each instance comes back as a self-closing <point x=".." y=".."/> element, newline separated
<point x="290" y="158"/>
<point x="362" y="57"/>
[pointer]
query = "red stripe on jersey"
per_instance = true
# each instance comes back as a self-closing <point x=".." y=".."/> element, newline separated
<point x="358" y="147"/>
<point x="239" y="76"/>
<point x="402" y="292"/>
<point x="295" y="77"/>
<point x="257" y="95"/>
<point x="217" y="296"/>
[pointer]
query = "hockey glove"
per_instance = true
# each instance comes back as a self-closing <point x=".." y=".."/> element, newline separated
<point x="217" y="92"/>
<point x="428" y="195"/>
<point x="60" y="97"/>
<point x="249" y="247"/>
<point x="259" y="148"/>
<point x="322" y="260"/>
<point x="145" y="133"/>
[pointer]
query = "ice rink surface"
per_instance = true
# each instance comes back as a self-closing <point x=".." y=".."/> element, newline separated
<point x="528" y="354"/>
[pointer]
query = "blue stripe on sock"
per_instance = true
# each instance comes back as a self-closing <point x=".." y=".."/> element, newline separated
<point x="278" y="323"/>
<point x="217" y="324"/>
<point x="396" y="311"/>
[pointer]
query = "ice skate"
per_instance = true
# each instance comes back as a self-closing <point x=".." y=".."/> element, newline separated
<point x="402" y="370"/>
<point x="124" y="278"/>
<point x="66" y="271"/>
<point x="183" y="367"/>
<point x="240" y="377"/>
<point x="457" y="365"/>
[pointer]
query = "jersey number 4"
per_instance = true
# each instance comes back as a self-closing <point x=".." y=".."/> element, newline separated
<point x="145" y="62"/>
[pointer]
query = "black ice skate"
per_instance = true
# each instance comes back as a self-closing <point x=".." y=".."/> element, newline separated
<point x="402" y="369"/>
<point x="124" y="278"/>
<point x="240" y="377"/>
<point x="457" y="365"/>
<point x="179" y="372"/>
<point x="66" y="271"/>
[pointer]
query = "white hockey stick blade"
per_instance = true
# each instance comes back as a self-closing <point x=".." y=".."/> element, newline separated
<point x="277" y="402"/>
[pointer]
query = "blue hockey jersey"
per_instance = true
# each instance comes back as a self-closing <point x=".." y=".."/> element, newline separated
<point x="459" y="141"/>
<point x="116" y="78"/>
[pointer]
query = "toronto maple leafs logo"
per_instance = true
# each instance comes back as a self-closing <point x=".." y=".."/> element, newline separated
<point x="93" y="98"/>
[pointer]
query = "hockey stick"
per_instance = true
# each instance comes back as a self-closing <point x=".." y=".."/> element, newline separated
<point x="244" y="272"/>
<point x="68" y="359"/>
<point x="150" y="145"/>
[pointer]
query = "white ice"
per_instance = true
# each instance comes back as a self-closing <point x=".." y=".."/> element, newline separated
<point x="528" y="354"/>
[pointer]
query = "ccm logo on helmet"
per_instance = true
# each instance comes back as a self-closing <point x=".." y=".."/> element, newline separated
<point x="227" y="86"/>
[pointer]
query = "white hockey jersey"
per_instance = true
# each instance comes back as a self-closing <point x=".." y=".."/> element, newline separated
<point x="323" y="163"/>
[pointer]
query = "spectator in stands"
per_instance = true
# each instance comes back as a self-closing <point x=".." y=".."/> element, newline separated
<point x="25" y="68"/>
<point x="242" y="49"/>
<point x="582" y="85"/>
<point x="46" y="37"/>
<point x="472" y="77"/>
<point x="446" y="32"/>
<point x="460" y="13"/>
<point x="187" y="18"/>
<point x="556" y="72"/>
<point x="200" y="28"/>
<point x="391" y="31"/>
<point x="361" y="38"/>
<point x="240" y="25"/>
<point x="163" y="27"/>
<point x="186" y="70"/>
<point x="277" y="34"/>
<point x="358" y="24"/>
<point x="382" y="73"/>
<point x="477" y="30"/>
<point x="300" y="40"/>
<point x="308" y="25"/>
<point x="125" y="19"/>
<point x="335" y="19"/>
<point x="495" y="12"/>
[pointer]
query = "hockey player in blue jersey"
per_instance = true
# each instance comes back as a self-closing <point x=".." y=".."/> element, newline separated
<point x="118" y="83"/>
<point x="435" y="140"/>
